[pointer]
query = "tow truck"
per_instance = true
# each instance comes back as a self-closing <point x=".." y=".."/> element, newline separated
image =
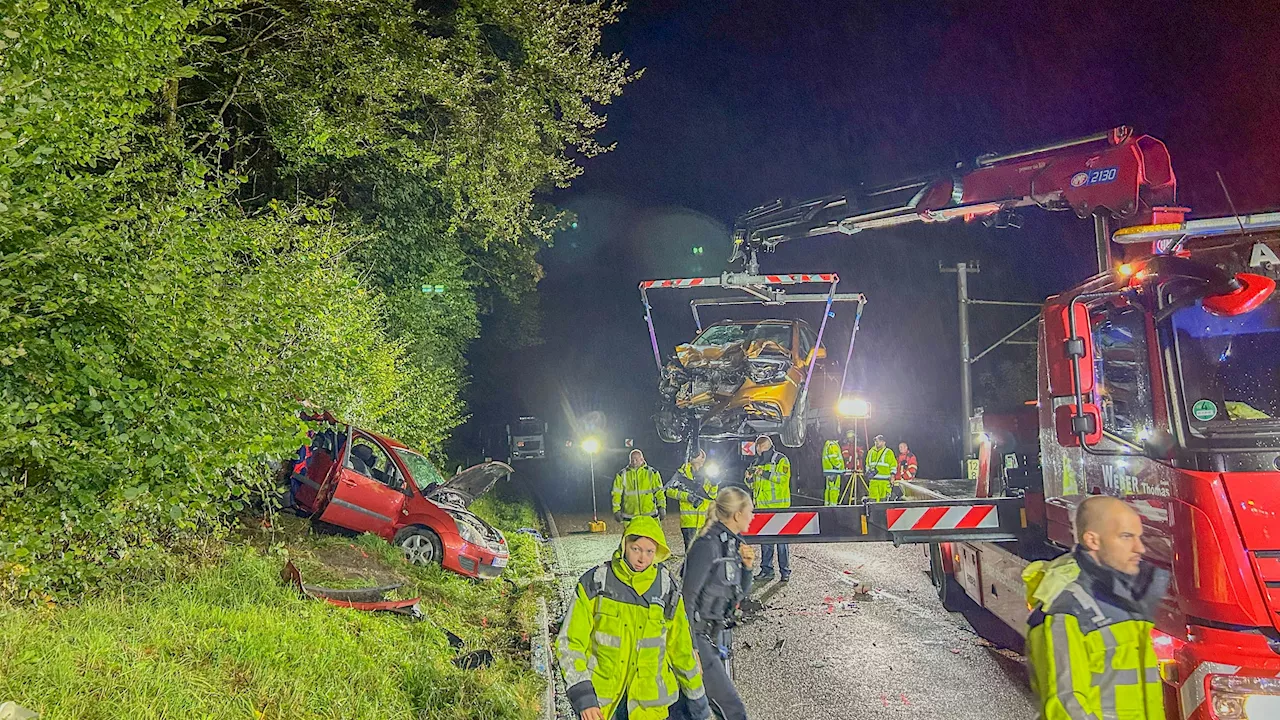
<point x="1159" y="383"/>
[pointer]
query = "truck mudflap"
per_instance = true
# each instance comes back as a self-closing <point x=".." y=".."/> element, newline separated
<point x="916" y="521"/>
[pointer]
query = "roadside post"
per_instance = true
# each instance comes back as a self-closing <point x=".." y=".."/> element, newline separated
<point x="591" y="446"/>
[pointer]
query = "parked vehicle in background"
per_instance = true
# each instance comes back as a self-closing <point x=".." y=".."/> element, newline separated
<point x="527" y="439"/>
<point x="365" y="482"/>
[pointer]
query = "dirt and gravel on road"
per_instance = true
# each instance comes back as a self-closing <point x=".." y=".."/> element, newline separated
<point x="857" y="633"/>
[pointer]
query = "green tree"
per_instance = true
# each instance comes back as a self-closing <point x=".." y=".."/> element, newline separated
<point x="210" y="210"/>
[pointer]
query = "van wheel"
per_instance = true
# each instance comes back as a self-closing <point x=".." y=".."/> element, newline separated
<point x="794" y="429"/>
<point x="420" y="545"/>
<point x="948" y="589"/>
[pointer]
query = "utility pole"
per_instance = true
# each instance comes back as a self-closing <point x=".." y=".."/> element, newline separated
<point x="962" y="271"/>
<point x="967" y="358"/>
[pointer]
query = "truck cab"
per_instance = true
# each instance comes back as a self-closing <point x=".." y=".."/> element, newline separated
<point x="527" y="439"/>
<point x="1179" y="392"/>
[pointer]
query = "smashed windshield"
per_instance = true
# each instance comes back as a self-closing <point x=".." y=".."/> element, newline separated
<point x="1230" y="365"/>
<point x="724" y="334"/>
<point x="422" y="470"/>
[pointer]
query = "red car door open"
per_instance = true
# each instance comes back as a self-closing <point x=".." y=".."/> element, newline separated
<point x="366" y="498"/>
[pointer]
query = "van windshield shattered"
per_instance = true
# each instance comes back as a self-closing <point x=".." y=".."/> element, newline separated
<point x="725" y="334"/>
<point x="1230" y="366"/>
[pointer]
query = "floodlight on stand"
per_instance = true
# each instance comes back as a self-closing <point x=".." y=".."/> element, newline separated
<point x="591" y="446"/>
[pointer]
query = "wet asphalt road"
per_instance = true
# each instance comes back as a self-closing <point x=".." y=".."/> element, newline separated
<point x="822" y="650"/>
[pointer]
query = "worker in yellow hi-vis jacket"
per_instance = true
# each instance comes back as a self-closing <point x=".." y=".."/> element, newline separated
<point x="695" y="494"/>
<point x="770" y="481"/>
<point x="1089" y="640"/>
<point x="832" y="472"/>
<point x="625" y="641"/>
<point x="637" y="490"/>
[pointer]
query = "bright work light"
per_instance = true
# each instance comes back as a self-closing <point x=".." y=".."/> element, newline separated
<point x="854" y="407"/>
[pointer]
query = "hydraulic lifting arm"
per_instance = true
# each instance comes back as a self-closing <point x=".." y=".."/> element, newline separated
<point x="1112" y="174"/>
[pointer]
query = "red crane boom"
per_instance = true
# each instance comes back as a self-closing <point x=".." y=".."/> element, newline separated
<point x="1112" y="174"/>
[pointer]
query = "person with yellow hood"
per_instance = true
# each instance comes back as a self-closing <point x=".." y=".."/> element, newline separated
<point x="1089" y="635"/>
<point x="625" y="647"/>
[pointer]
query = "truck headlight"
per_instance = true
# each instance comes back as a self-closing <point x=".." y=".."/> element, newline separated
<point x="1239" y="697"/>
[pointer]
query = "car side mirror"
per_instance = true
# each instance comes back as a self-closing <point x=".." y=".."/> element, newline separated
<point x="820" y="353"/>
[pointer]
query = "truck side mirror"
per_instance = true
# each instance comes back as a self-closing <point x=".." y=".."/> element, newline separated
<point x="1062" y="351"/>
<point x="1069" y="425"/>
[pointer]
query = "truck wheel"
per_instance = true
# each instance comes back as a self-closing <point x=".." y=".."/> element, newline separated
<point x="420" y="545"/>
<point x="949" y="591"/>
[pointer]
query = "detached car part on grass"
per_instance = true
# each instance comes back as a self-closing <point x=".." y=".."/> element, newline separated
<point x="370" y="599"/>
<point x="365" y="482"/>
<point x="738" y="379"/>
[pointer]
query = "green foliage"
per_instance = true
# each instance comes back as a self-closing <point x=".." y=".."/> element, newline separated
<point x="231" y="641"/>
<point x="212" y="209"/>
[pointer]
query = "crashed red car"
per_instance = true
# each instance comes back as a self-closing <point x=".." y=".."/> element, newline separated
<point x="362" y="481"/>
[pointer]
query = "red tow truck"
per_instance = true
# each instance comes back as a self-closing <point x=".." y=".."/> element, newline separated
<point x="1159" y="383"/>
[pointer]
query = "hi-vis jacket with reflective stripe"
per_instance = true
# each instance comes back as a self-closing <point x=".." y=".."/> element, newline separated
<point x="638" y="491"/>
<point x="1089" y="642"/>
<point x="881" y="463"/>
<point x="770" y="480"/>
<point x="833" y="471"/>
<point x="693" y="505"/>
<point x="626" y="635"/>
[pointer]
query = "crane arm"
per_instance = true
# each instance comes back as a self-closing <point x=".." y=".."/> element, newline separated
<point x="1112" y="173"/>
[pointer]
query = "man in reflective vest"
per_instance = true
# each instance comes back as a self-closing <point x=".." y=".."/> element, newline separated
<point x="880" y="465"/>
<point x="832" y="472"/>
<point x="695" y="494"/>
<point x="625" y="647"/>
<point x="769" y="478"/>
<point x="1089" y="639"/>
<point x="637" y="490"/>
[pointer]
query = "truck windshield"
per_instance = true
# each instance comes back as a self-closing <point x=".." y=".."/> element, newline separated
<point x="1230" y="366"/>
<point x="524" y="428"/>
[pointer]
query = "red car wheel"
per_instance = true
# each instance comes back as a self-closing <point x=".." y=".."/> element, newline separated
<point x="420" y="545"/>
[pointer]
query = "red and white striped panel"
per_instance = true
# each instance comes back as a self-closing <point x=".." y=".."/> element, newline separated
<point x="952" y="517"/>
<point x="679" y="283"/>
<point x="783" y="524"/>
<point x="801" y="278"/>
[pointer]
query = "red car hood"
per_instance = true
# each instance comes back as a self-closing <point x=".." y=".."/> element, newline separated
<point x="462" y="489"/>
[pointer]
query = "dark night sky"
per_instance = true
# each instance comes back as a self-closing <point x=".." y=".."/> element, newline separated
<point x="745" y="101"/>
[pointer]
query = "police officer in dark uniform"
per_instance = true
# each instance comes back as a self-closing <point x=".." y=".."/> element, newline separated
<point x="717" y="576"/>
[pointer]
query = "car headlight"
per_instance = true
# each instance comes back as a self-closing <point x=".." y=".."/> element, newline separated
<point x="1238" y="697"/>
<point x="469" y="532"/>
<point x="768" y="371"/>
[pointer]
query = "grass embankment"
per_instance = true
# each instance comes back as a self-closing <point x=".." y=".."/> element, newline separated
<point x="228" y="640"/>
